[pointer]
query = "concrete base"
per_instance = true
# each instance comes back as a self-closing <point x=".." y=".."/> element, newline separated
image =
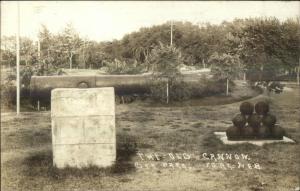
<point x="83" y="127"/>
<point x="223" y="137"/>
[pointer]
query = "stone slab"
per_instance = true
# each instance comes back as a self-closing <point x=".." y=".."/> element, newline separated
<point x="83" y="127"/>
<point x="223" y="137"/>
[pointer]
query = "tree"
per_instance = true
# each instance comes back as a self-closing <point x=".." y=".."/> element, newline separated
<point x="290" y="51"/>
<point x="8" y="49"/>
<point x="167" y="83"/>
<point x="261" y="46"/>
<point x="224" y="66"/>
<point x="68" y="44"/>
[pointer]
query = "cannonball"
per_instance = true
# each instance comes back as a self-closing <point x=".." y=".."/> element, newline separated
<point x="261" y="107"/>
<point x="233" y="133"/>
<point x="246" y="108"/>
<point x="269" y="120"/>
<point x="263" y="132"/>
<point x="254" y="121"/>
<point x="248" y="132"/>
<point x="277" y="132"/>
<point x="239" y="120"/>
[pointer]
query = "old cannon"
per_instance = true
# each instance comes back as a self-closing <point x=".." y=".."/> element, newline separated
<point x="41" y="86"/>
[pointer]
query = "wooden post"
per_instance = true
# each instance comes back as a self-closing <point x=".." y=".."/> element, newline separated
<point x="38" y="105"/>
<point x="167" y="90"/>
<point x="227" y="86"/>
<point x="71" y="60"/>
<point x="298" y="73"/>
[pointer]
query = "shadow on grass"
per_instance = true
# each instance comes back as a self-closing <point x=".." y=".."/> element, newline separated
<point x="40" y="164"/>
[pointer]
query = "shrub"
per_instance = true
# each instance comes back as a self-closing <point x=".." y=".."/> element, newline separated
<point x="8" y="94"/>
<point x="207" y="87"/>
<point x="178" y="90"/>
<point x="122" y="67"/>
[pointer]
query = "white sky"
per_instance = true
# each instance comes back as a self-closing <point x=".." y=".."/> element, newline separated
<point x="111" y="20"/>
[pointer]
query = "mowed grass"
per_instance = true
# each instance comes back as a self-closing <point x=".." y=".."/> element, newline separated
<point x="26" y="153"/>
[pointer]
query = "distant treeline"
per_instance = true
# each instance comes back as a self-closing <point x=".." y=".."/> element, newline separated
<point x="263" y="44"/>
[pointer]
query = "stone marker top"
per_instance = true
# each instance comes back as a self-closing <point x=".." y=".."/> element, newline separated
<point x="84" y="102"/>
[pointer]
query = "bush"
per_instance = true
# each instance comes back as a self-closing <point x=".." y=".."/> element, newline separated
<point x="178" y="90"/>
<point x="207" y="87"/>
<point x="8" y="94"/>
<point x="122" y="67"/>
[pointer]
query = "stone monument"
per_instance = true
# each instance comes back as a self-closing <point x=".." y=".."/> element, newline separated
<point x="83" y="127"/>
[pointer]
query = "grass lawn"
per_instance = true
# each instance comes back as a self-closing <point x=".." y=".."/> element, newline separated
<point x="142" y="131"/>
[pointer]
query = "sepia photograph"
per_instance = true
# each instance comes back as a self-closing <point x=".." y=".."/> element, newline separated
<point x="150" y="95"/>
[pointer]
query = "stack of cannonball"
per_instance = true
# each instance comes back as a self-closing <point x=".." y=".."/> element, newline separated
<point x="254" y="122"/>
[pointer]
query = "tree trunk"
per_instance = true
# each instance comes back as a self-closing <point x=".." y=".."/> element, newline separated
<point x="167" y="90"/>
<point x="71" y="60"/>
<point x="261" y="72"/>
<point x="227" y="86"/>
<point x="244" y="76"/>
<point x="298" y="74"/>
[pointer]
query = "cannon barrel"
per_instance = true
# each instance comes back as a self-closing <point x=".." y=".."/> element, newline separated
<point x="41" y="86"/>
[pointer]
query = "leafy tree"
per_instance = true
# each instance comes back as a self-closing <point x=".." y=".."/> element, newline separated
<point x="224" y="66"/>
<point x="290" y="50"/>
<point x="261" y="41"/>
<point x="167" y="83"/>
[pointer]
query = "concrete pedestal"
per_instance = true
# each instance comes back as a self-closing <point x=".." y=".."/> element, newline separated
<point x="223" y="137"/>
<point x="83" y="127"/>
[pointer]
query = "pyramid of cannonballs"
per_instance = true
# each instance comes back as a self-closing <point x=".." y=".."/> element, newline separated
<point x="254" y="125"/>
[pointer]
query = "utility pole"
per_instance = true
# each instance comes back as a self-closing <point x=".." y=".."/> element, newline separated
<point x="18" y="57"/>
<point x="171" y="44"/>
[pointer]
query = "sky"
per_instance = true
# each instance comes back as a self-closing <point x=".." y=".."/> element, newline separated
<point x="104" y="21"/>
